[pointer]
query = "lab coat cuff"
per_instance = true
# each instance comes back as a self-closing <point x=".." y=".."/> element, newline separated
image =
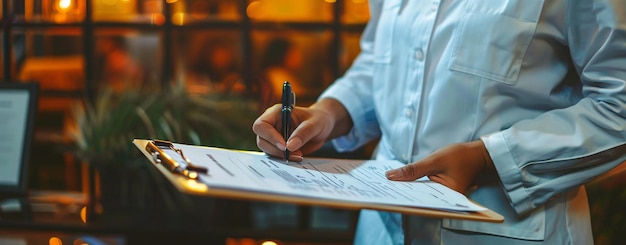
<point x="354" y="139"/>
<point x="511" y="176"/>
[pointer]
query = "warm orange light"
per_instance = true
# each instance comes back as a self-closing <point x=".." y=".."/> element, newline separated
<point x="83" y="214"/>
<point x="157" y="19"/>
<point x="64" y="5"/>
<point x="171" y="1"/>
<point x="195" y="185"/>
<point x="247" y="241"/>
<point x="178" y="19"/>
<point x="55" y="241"/>
<point x="254" y="9"/>
<point x="269" y="243"/>
<point x="80" y="242"/>
<point x="330" y="1"/>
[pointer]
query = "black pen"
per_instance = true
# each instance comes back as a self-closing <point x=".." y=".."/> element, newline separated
<point x="288" y="102"/>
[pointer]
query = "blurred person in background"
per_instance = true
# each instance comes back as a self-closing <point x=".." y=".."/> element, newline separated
<point x="279" y="63"/>
<point x="119" y="70"/>
<point x="215" y="69"/>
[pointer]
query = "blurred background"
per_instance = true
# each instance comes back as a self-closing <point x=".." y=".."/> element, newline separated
<point x="190" y="71"/>
<point x="110" y="52"/>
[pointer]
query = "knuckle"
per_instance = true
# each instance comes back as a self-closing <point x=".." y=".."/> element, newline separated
<point x="409" y="171"/>
<point x="258" y="126"/>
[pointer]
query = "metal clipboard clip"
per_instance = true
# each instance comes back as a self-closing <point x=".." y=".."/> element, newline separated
<point x="173" y="159"/>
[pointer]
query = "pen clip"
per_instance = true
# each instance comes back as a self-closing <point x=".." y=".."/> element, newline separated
<point x="185" y="167"/>
<point x="288" y="96"/>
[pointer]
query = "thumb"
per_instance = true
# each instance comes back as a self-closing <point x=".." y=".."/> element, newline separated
<point x="308" y="137"/>
<point x="409" y="172"/>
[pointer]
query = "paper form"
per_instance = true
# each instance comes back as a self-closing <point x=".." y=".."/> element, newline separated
<point x="336" y="179"/>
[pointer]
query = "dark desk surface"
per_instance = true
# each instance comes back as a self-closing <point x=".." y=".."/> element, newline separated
<point x="62" y="215"/>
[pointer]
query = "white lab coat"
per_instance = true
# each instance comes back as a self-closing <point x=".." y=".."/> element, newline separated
<point x="542" y="83"/>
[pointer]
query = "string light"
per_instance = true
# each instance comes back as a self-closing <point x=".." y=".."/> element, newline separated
<point x="55" y="241"/>
<point x="64" y="5"/>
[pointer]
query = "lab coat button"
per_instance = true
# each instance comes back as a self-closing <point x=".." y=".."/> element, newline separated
<point x="408" y="112"/>
<point x="433" y="7"/>
<point x="405" y="158"/>
<point x="419" y="54"/>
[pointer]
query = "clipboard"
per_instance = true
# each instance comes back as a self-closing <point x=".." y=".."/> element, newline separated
<point x="184" y="175"/>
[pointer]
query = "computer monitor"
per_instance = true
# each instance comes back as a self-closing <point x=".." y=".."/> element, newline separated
<point x="18" y="103"/>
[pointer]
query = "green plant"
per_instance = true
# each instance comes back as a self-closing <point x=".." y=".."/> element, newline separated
<point x="129" y="187"/>
<point x="106" y="128"/>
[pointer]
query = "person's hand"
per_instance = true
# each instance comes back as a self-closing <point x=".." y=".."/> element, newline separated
<point x="312" y="127"/>
<point x="455" y="166"/>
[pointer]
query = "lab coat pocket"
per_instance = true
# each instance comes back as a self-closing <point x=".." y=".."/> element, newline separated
<point x="383" y="40"/>
<point x="493" y="36"/>
<point x="528" y="227"/>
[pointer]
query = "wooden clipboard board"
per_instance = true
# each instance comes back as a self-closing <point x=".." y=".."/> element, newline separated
<point x="193" y="186"/>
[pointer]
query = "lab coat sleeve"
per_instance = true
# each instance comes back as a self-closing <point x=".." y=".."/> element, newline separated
<point x="562" y="149"/>
<point x="354" y="90"/>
